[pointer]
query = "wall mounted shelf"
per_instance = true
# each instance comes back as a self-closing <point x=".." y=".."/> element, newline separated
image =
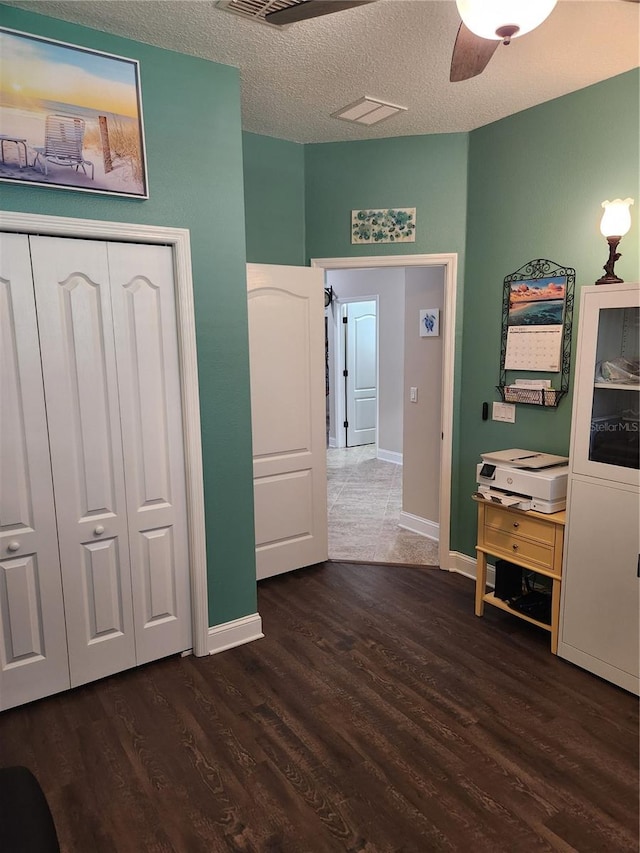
<point x="527" y="352"/>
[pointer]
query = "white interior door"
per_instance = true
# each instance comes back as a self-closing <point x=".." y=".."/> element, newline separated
<point x="71" y="280"/>
<point x="146" y="344"/>
<point x="33" y="643"/>
<point x="361" y="372"/>
<point x="286" y="347"/>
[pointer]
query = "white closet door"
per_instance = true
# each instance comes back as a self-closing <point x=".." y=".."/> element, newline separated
<point x="142" y="289"/>
<point x="33" y="643"/>
<point x="76" y="338"/>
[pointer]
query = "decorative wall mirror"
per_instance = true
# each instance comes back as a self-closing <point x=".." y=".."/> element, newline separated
<point x="537" y="316"/>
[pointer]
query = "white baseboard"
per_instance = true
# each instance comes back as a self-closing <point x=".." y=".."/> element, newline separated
<point x="468" y="566"/>
<point x="390" y="456"/>
<point x="235" y="633"/>
<point x="333" y="442"/>
<point x="419" y="525"/>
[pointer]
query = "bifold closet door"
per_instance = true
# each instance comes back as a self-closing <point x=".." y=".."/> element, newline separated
<point x="143" y="300"/>
<point x="33" y="643"/>
<point x="71" y="279"/>
<point x="112" y="381"/>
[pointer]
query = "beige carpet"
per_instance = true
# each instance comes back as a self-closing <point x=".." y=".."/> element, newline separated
<point x="364" y="503"/>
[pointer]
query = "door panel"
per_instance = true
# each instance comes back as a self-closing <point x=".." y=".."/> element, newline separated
<point x="158" y="577"/>
<point x="144" y="312"/>
<point x="600" y="604"/>
<point x="286" y="345"/>
<point x="102" y="591"/>
<point x="71" y="280"/>
<point x="33" y="643"/>
<point x="361" y="380"/>
<point x="284" y="505"/>
<point x="21" y="599"/>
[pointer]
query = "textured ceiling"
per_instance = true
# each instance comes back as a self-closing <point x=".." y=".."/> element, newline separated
<point x="395" y="50"/>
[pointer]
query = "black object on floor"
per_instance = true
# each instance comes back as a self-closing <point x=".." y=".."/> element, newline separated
<point x="537" y="605"/>
<point x="26" y="824"/>
<point x="508" y="580"/>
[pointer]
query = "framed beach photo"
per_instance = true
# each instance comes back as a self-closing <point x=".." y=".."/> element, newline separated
<point x="70" y="117"/>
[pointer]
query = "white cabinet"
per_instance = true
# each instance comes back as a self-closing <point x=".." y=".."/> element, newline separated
<point x="599" y="628"/>
<point x="94" y="567"/>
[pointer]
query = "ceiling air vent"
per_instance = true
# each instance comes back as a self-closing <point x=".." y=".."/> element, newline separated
<point x="368" y="111"/>
<point x="256" y="10"/>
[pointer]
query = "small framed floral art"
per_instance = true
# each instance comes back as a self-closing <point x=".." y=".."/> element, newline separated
<point x="384" y="225"/>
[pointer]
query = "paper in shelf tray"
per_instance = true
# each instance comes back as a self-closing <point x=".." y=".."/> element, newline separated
<point x="502" y="498"/>
<point x="535" y="396"/>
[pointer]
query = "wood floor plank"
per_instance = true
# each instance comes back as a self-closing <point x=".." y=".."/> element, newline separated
<point x="378" y="715"/>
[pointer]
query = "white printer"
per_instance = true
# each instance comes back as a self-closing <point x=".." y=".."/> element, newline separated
<point x="524" y="479"/>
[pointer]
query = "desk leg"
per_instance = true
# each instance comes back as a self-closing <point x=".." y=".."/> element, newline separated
<point x="481" y="581"/>
<point x="555" y="615"/>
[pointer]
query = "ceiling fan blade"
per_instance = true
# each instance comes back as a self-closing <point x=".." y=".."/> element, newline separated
<point x="306" y="9"/>
<point x="471" y="55"/>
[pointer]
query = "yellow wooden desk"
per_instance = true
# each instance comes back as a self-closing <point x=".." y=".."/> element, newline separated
<point x="529" y="539"/>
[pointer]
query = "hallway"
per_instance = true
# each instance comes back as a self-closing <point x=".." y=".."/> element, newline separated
<point x="364" y="502"/>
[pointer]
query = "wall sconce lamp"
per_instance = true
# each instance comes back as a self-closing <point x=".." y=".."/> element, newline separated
<point x="616" y="221"/>
<point x="328" y="296"/>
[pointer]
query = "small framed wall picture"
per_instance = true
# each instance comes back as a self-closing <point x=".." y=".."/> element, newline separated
<point x="429" y="322"/>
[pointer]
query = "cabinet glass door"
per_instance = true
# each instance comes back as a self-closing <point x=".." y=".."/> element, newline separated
<point x="614" y="413"/>
<point x="606" y="427"/>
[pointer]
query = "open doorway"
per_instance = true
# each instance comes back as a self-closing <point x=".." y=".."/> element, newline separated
<point x="427" y="458"/>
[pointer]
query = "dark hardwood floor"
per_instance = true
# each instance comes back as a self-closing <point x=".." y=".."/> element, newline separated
<point x="378" y="714"/>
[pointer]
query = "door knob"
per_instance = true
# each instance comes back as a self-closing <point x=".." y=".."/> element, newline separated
<point x="99" y="530"/>
<point x="13" y="546"/>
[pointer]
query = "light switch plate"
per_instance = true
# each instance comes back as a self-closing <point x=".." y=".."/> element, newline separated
<point x="413" y="395"/>
<point x="504" y="412"/>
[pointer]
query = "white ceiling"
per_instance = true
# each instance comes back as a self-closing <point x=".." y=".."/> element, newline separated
<point x="293" y="78"/>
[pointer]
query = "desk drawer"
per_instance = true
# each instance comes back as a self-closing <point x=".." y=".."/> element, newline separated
<point x="519" y="525"/>
<point x="517" y="549"/>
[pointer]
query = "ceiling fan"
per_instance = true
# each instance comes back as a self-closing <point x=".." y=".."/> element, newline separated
<point x="486" y="23"/>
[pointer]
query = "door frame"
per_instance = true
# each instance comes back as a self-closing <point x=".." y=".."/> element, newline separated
<point x="179" y="240"/>
<point x="339" y="355"/>
<point x="449" y="263"/>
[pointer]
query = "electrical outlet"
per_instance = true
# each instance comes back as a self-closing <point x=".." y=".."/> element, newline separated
<point x="504" y="412"/>
<point x="413" y="395"/>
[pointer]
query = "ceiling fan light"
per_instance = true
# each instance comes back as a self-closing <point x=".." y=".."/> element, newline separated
<point x="486" y="18"/>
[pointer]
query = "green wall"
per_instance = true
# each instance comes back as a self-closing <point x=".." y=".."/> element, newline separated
<point x="273" y="200"/>
<point x="536" y="182"/>
<point x="425" y="172"/>
<point x="194" y="153"/>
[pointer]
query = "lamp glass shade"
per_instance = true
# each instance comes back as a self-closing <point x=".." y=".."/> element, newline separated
<point x="484" y="17"/>
<point x="616" y="219"/>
